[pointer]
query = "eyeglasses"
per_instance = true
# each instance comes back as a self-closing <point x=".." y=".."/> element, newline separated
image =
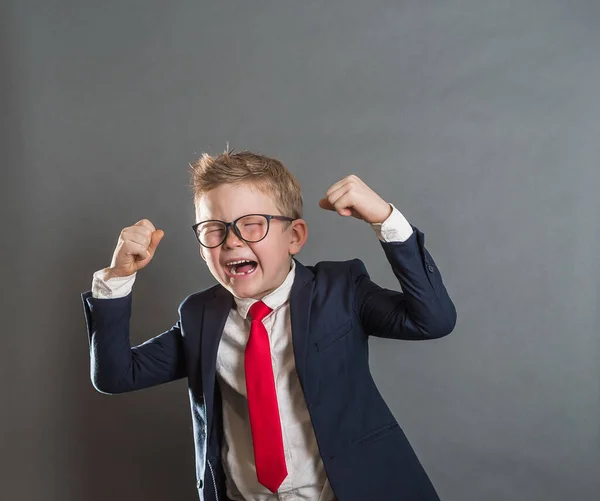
<point x="250" y="228"/>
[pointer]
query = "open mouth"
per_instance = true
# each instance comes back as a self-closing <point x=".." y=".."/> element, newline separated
<point x="242" y="269"/>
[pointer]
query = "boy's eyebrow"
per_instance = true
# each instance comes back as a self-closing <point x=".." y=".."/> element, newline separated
<point x="231" y="220"/>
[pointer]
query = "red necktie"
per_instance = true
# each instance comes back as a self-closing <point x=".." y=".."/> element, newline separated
<point x="262" y="403"/>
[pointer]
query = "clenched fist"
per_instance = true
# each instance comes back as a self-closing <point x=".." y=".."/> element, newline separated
<point x="135" y="249"/>
<point x="351" y="196"/>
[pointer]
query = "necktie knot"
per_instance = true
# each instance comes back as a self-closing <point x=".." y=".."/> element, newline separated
<point x="258" y="311"/>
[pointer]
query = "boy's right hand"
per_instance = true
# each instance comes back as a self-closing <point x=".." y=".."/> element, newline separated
<point x="135" y="249"/>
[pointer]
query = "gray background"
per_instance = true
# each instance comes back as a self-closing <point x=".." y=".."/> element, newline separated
<point x="477" y="119"/>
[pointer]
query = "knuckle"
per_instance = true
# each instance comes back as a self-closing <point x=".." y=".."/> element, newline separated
<point x="145" y="223"/>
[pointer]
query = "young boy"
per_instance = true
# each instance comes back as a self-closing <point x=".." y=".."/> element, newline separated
<point x="276" y="354"/>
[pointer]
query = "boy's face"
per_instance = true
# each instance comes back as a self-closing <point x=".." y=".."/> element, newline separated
<point x="227" y="202"/>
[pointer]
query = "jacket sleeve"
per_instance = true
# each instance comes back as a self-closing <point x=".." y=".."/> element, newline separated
<point x="423" y="310"/>
<point x="116" y="366"/>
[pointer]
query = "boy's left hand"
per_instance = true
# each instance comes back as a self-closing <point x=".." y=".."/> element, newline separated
<point x="352" y="197"/>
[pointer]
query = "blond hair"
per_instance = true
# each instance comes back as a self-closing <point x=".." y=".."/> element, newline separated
<point x="264" y="173"/>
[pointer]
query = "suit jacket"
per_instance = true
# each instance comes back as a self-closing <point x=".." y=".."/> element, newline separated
<point x="334" y="308"/>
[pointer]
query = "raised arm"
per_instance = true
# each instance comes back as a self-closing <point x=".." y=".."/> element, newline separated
<point x="116" y="366"/>
<point x="423" y="310"/>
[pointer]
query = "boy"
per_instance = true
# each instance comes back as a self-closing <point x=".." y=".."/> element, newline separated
<point x="276" y="354"/>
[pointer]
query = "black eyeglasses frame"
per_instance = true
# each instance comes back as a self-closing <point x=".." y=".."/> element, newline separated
<point x="232" y="224"/>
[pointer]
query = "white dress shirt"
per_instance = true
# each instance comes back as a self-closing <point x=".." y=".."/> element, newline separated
<point x="306" y="479"/>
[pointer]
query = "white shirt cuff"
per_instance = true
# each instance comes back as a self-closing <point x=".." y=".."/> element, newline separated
<point x="395" y="228"/>
<point x="113" y="287"/>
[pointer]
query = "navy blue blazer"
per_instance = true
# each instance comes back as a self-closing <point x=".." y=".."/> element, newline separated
<point x="334" y="308"/>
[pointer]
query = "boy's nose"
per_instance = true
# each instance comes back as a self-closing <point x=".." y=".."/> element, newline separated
<point x="232" y="238"/>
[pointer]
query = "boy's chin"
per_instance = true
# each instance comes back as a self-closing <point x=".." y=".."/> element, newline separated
<point x="248" y="295"/>
<point x="242" y="290"/>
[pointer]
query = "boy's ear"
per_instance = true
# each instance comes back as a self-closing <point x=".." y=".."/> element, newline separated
<point x="299" y="236"/>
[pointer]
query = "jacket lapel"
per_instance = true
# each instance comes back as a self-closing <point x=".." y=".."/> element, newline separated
<point x="300" y="309"/>
<point x="214" y="318"/>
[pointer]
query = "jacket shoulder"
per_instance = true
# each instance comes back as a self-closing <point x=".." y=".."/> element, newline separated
<point x="197" y="298"/>
<point x="349" y="267"/>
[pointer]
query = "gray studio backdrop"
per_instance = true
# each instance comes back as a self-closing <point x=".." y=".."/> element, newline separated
<point x="478" y="119"/>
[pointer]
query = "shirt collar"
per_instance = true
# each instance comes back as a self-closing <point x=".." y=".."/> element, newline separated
<point x="273" y="300"/>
